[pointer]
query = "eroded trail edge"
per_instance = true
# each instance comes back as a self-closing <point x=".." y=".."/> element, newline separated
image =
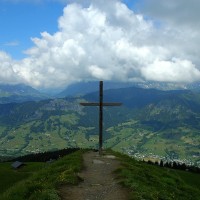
<point x="99" y="183"/>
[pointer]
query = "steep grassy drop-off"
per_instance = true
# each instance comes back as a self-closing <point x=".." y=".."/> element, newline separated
<point x="9" y="176"/>
<point x="42" y="183"/>
<point x="151" y="182"/>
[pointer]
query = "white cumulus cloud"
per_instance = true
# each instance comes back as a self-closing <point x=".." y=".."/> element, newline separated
<point x="106" y="40"/>
<point x="171" y="71"/>
<point x="8" y="74"/>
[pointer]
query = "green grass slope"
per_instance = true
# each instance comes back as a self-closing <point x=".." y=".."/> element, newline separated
<point x="144" y="181"/>
<point x="10" y="177"/>
<point x="153" y="182"/>
<point x="42" y="184"/>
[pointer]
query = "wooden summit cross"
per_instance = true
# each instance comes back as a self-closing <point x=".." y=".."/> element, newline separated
<point x="101" y="104"/>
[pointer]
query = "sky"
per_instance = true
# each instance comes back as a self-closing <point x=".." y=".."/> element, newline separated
<point x="55" y="43"/>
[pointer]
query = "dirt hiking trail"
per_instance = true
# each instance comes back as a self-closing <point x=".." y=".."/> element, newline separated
<point x="99" y="183"/>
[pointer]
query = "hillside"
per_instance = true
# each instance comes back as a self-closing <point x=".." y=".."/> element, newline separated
<point x="154" y="182"/>
<point x="150" y="124"/>
<point x="82" y="172"/>
<point x="39" y="180"/>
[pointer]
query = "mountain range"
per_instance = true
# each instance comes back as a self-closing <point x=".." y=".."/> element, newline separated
<point x="82" y="88"/>
<point x="23" y="93"/>
<point x="151" y="123"/>
<point x="19" y="93"/>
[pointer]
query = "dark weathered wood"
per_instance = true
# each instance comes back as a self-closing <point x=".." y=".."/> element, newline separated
<point x="101" y="104"/>
<point x="100" y="116"/>
<point x="104" y="104"/>
<point x="112" y="104"/>
<point x="89" y="104"/>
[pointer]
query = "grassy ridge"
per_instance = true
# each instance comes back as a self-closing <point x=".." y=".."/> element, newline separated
<point x="43" y="184"/>
<point x="153" y="182"/>
<point x="146" y="182"/>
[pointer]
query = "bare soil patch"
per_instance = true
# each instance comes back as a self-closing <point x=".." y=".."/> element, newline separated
<point x="99" y="183"/>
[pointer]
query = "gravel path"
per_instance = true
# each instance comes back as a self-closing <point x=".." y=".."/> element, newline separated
<point x="99" y="181"/>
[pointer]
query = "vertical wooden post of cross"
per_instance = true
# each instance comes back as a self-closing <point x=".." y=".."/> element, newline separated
<point x="100" y="116"/>
<point x="101" y="104"/>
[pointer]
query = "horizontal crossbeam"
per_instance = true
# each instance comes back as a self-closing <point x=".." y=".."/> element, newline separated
<point x="100" y="104"/>
<point x="103" y="104"/>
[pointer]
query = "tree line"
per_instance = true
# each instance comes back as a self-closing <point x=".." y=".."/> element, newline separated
<point x="175" y="165"/>
<point x="45" y="156"/>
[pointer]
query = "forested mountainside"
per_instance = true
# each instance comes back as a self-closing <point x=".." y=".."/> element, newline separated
<point x="151" y="123"/>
